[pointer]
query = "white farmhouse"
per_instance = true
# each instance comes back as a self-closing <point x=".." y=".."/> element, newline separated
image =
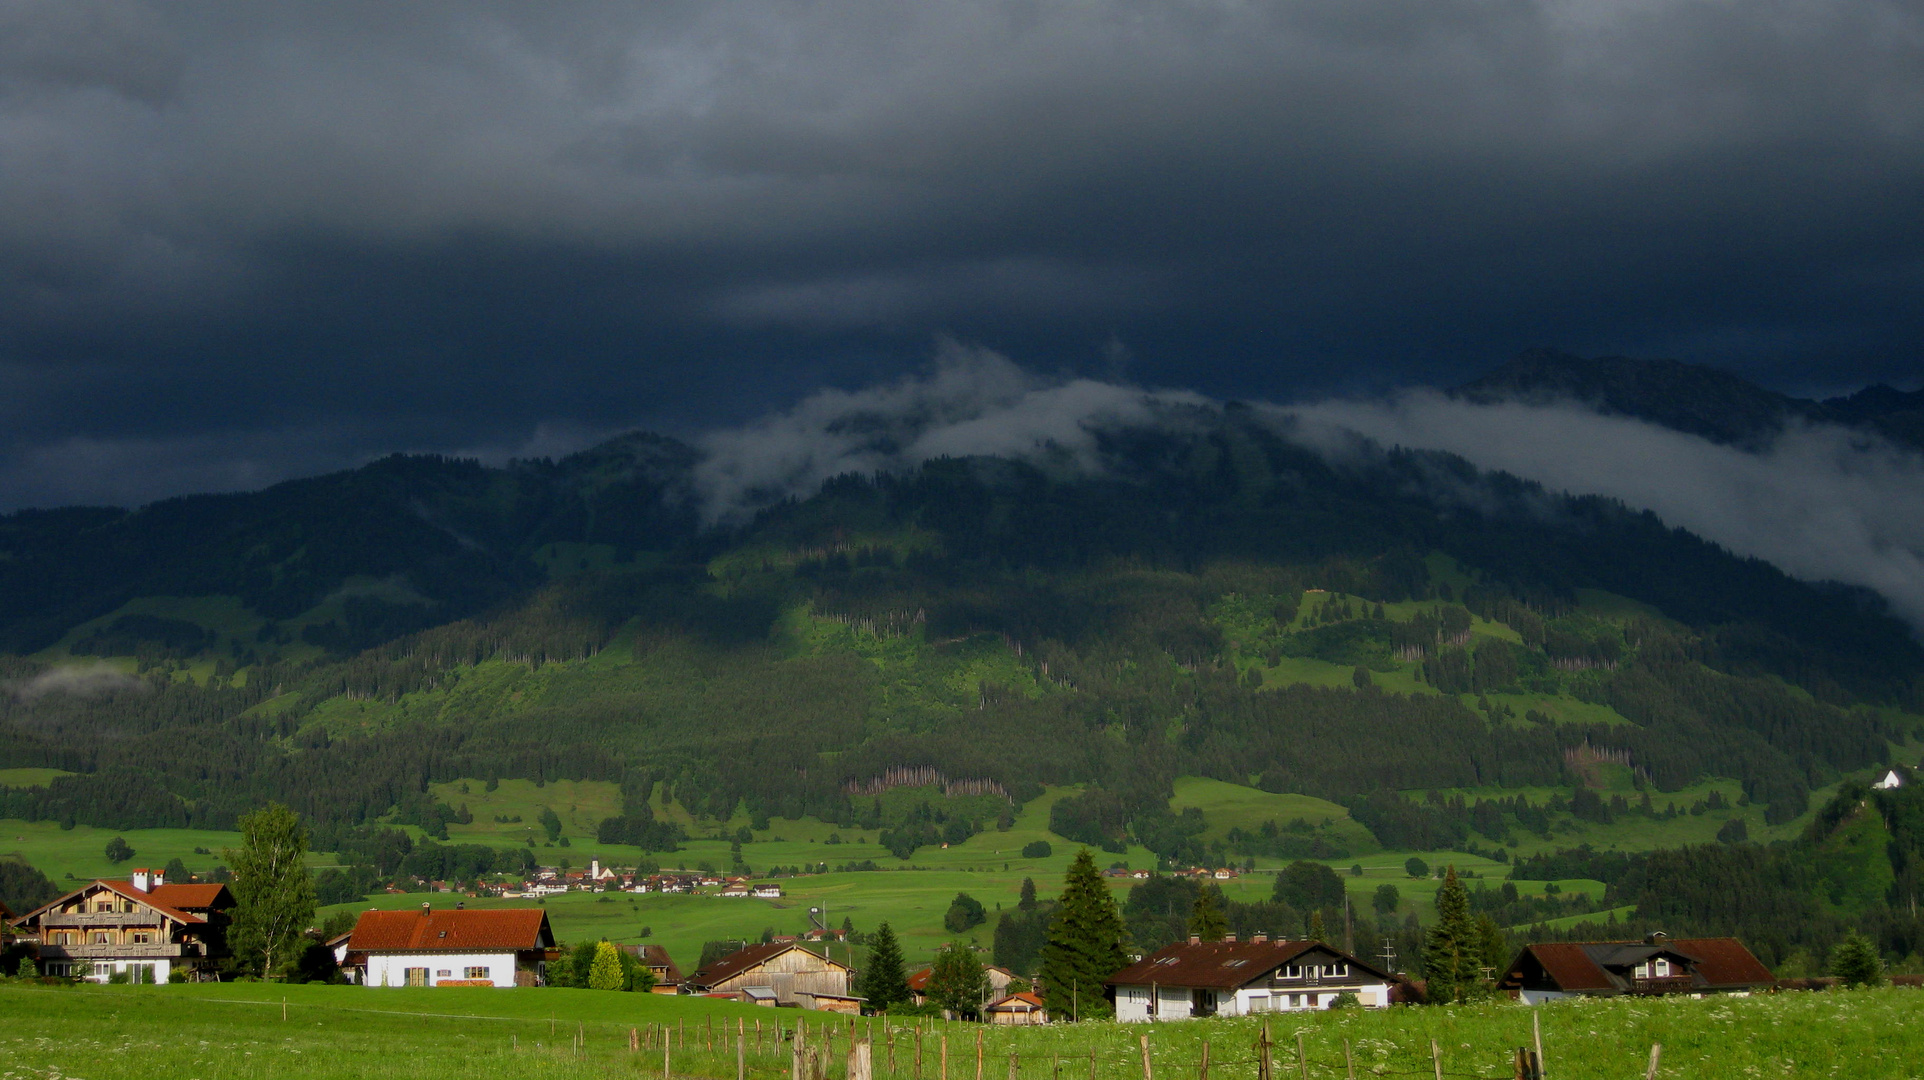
<point x="1891" y="781"/>
<point x="503" y="947"/>
<point x="1240" y="978"/>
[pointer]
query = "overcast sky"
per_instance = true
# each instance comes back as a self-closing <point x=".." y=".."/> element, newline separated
<point x="245" y="241"/>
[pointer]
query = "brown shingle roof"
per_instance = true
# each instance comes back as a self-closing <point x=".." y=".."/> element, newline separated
<point x="656" y="956"/>
<point x="743" y="959"/>
<point x="1583" y="966"/>
<point x="428" y="930"/>
<point x="1221" y="964"/>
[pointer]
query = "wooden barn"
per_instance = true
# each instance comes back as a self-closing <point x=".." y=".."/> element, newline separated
<point x="778" y="973"/>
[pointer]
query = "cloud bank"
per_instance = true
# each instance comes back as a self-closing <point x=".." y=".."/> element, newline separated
<point x="424" y="225"/>
<point x="1821" y="503"/>
<point x="85" y="681"/>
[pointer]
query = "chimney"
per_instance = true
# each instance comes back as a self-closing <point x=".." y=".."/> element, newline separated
<point x="424" y="907"/>
<point x="1655" y="937"/>
<point x="1195" y="939"/>
<point x="1229" y="939"/>
<point x="157" y="878"/>
<point x="1259" y="937"/>
<point x="142" y="882"/>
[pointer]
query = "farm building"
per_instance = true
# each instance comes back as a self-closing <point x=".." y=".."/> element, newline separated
<point x="450" y="947"/>
<point x="1238" y="978"/>
<point x="1655" y="965"/>
<point x="143" y="928"/>
<point x="1016" y="1009"/>
<point x="777" y="973"/>
<point x="656" y="959"/>
<point x="998" y="979"/>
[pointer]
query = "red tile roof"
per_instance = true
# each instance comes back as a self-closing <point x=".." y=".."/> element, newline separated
<point x="1223" y="964"/>
<point x="451" y="930"/>
<point x="919" y="981"/>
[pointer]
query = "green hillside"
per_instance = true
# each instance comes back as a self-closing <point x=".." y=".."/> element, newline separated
<point x="1219" y="648"/>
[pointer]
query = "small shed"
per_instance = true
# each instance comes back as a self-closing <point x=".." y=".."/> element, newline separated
<point x="797" y="976"/>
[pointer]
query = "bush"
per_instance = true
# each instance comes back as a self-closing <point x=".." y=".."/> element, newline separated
<point x="1037" y="849"/>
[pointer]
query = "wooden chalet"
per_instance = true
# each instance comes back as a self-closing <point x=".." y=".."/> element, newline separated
<point x="1240" y="978"/>
<point x="144" y="929"/>
<point x="502" y="947"/>
<point x="1655" y="965"/>
<point x="1016" y="1009"/>
<point x="780" y="973"/>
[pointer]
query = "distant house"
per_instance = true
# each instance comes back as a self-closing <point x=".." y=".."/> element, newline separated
<point x="785" y="972"/>
<point x="143" y="928"/>
<point x="1655" y="965"/>
<point x="769" y="892"/>
<point x="450" y="947"/>
<point x="656" y="959"/>
<point x="998" y="979"/>
<point x="1239" y="978"/>
<point x="1017" y="1009"/>
<point x="1890" y="781"/>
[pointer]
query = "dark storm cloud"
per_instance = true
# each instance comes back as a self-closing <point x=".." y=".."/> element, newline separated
<point x="248" y="240"/>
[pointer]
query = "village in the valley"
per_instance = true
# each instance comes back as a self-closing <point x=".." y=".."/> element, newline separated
<point x="146" y="929"/>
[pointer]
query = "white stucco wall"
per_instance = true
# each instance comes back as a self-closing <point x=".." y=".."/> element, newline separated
<point x="1132" y="1002"/>
<point x="390" y="969"/>
<point x="103" y="968"/>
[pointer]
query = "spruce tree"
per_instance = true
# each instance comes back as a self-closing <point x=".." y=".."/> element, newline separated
<point x="1085" y="944"/>
<point x="1027" y="900"/>
<point x="273" y="894"/>
<point x="1206" y="918"/>
<point x="1856" y="963"/>
<point x="1317" y="931"/>
<point x="884" y="983"/>
<point x="1451" y="955"/>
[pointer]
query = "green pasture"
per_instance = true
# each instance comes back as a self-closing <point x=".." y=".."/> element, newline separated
<point x="80" y="852"/>
<point x="29" y="778"/>
<point x="1227" y="806"/>
<point x="261" y="1030"/>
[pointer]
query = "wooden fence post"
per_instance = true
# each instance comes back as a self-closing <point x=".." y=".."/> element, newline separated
<point x="1012" y="1063"/>
<point x="1436" y="1058"/>
<point x="861" y="1061"/>
<point x="1147" y="1072"/>
<point x="1202" y="1067"/>
<point x="1092" y="1061"/>
<point x="1265" y="1066"/>
<point x="1302" y="1057"/>
<point x="1349" y="1063"/>
<point x="945" y="1054"/>
<point x="918" y="1052"/>
<point x="795" y="1053"/>
<point x="634" y="1040"/>
<point x="978" y="1052"/>
<point x="741" y="1055"/>
<point x="666" y="1051"/>
<point x="1536" y="1032"/>
<point x="1656" y="1052"/>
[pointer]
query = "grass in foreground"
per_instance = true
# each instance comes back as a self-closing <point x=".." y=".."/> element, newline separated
<point x="237" y="1030"/>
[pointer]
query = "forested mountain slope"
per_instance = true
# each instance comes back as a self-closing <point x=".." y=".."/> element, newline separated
<point x="1214" y="599"/>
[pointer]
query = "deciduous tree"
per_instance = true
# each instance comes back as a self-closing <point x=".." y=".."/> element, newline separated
<point x="274" y="897"/>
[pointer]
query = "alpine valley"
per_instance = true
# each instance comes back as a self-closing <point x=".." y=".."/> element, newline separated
<point x="1210" y="641"/>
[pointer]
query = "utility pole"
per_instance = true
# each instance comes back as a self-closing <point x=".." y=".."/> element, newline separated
<point x="1349" y="927"/>
<point x="1389" y="956"/>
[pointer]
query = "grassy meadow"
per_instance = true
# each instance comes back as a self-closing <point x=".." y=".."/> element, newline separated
<point x="259" y="1030"/>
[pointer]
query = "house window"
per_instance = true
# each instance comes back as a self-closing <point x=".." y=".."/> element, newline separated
<point x="1661" y="969"/>
<point x="143" y="937"/>
<point x="1338" y="971"/>
<point x="476" y="973"/>
<point x="417" y="976"/>
<point x="103" y="937"/>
